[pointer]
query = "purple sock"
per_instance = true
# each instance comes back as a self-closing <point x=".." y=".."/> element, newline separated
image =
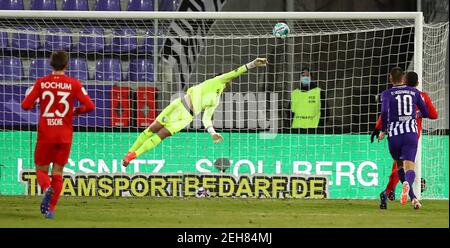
<point x="410" y="176"/>
<point x="401" y="174"/>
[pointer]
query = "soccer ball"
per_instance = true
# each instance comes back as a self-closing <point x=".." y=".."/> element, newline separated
<point x="202" y="192"/>
<point x="280" y="30"/>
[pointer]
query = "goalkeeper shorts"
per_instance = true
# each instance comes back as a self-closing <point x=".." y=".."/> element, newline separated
<point x="175" y="117"/>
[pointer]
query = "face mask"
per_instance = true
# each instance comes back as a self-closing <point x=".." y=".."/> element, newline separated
<point x="306" y="81"/>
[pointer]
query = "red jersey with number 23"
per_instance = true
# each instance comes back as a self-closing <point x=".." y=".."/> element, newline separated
<point x="57" y="94"/>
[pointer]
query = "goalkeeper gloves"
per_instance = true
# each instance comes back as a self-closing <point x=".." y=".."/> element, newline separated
<point x="375" y="133"/>
<point x="256" y="63"/>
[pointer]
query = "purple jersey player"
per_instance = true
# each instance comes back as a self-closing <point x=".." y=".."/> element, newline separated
<point x="398" y="112"/>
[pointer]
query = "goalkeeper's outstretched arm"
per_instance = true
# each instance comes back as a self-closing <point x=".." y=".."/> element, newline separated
<point x="227" y="77"/>
<point x="258" y="62"/>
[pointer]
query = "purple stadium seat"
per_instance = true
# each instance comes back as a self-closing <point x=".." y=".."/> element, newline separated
<point x="124" y="44"/>
<point x="108" y="70"/>
<point x="11" y="4"/>
<point x="140" y="5"/>
<point x="25" y="41"/>
<point x="39" y="67"/>
<point x="148" y="42"/>
<point x="107" y="5"/>
<point x="43" y="5"/>
<point x="169" y="5"/>
<point x="57" y="41"/>
<point x="141" y="70"/>
<point x="93" y="42"/>
<point x="75" y="5"/>
<point x="10" y="68"/>
<point x="78" y="69"/>
<point x="3" y="40"/>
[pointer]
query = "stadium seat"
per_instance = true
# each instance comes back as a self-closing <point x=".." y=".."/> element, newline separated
<point x="81" y="5"/>
<point x="141" y="70"/>
<point x="148" y="41"/>
<point x="39" y="67"/>
<point x="124" y="44"/>
<point x="43" y="5"/>
<point x="25" y="41"/>
<point x="78" y="68"/>
<point x="57" y="42"/>
<point x="140" y="5"/>
<point x="3" y="40"/>
<point x="11" y="4"/>
<point x="169" y="5"/>
<point x="108" y="69"/>
<point x="93" y="42"/>
<point x="10" y="68"/>
<point x="107" y="5"/>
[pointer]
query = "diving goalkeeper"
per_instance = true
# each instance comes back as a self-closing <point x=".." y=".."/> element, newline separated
<point x="202" y="97"/>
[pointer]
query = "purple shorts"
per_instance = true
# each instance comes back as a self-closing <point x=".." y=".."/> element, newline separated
<point x="403" y="146"/>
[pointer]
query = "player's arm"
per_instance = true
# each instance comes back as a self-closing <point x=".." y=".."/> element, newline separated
<point x="86" y="103"/>
<point x="433" y="114"/>
<point x="207" y="122"/>
<point x="377" y="129"/>
<point x="29" y="101"/>
<point x="422" y="107"/>
<point x="384" y="114"/>
<point x="226" y="77"/>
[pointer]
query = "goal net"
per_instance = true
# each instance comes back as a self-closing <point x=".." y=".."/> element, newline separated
<point x="282" y="138"/>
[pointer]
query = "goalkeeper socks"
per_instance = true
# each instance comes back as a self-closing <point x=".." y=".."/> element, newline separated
<point x="148" y="145"/>
<point x="401" y="174"/>
<point x="145" y="135"/>
<point x="57" y="183"/>
<point x="43" y="179"/>
<point x="410" y="176"/>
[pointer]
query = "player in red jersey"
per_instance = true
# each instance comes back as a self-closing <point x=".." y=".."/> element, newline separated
<point x="56" y="94"/>
<point x="410" y="79"/>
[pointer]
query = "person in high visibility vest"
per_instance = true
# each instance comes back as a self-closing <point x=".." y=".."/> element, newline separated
<point x="308" y="103"/>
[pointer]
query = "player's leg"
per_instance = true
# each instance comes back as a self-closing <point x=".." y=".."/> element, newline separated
<point x="179" y="118"/>
<point x="389" y="193"/>
<point x="153" y="141"/>
<point x="42" y="154"/>
<point x="405" y="184"/>
<point x="170" y="121"/>
<point x="42" y="159"/>
<point x="145" y="135"/>
<point x="393" y="181"/>
<point x="410" y="176"/>
<point x="408" y="155"/>
<point x="62" y="152"/>
<point x="56" y="185"/>
<point x="394" y="151"/>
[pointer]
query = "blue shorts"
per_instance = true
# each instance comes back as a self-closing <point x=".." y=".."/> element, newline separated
<point x="404" y="146"/>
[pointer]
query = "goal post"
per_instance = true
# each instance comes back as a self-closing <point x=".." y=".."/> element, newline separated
<point x="134" y="64"/>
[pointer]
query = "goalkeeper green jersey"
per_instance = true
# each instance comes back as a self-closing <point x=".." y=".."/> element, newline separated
<point x="206" y="95"/>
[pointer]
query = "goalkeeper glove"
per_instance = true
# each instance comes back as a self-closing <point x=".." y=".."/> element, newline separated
<point x="256" y="63"/>
<point x="375" y="133"/>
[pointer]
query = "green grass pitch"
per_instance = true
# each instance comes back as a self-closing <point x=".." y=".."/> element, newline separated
<point x="23" y="211"/>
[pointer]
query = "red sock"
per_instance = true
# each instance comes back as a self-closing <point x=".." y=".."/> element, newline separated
<point x="393" y="179"/>
<point x="57" y="183"/>
<point x="43" y="179"/>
